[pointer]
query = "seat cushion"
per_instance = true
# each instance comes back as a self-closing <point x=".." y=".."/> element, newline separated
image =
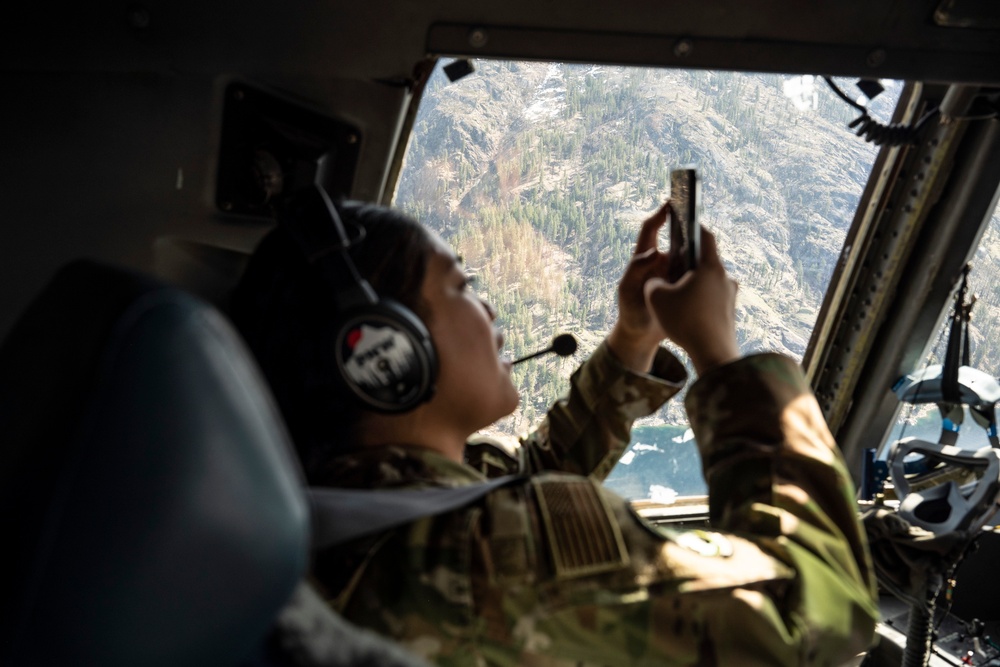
<point x="147" y="476"/>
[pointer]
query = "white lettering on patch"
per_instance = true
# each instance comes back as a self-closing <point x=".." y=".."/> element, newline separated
<point x="380" y="357"/>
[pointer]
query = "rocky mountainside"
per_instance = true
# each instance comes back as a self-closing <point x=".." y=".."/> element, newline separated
<point x="539" y="174"/>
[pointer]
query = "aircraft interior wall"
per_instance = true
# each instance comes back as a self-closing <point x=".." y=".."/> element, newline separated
<point x="104" y="165"/>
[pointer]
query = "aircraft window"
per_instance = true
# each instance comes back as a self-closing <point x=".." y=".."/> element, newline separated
<point x="924" y="421"/>
<point x="540" y="173"/>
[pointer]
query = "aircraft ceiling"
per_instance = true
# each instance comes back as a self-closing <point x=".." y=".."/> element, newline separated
<point x="939" y="40"/>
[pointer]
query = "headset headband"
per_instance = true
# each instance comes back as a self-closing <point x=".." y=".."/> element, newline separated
<point x="314" y="223"/>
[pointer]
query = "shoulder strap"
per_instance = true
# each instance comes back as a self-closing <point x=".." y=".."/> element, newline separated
<point x="342" y="515"/>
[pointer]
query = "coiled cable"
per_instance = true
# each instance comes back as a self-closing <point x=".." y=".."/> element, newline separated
<point x="894" y="134"/>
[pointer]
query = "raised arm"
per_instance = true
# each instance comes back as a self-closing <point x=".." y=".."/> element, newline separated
<point x="627" y="377"/>
<point x="587" y="431"/>
<point x="784" y="576"/>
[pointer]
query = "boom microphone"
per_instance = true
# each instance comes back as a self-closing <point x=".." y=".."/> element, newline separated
<point x="563" y="345"/>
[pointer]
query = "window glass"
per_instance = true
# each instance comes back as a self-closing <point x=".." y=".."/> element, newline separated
<point x="539" y="174"/>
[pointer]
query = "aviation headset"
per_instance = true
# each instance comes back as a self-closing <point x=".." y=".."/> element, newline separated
<point x="378" y="349"/>
<point x="947" y="488"/>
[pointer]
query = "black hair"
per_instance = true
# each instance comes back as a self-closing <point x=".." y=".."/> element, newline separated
<point x="285" y="311"/>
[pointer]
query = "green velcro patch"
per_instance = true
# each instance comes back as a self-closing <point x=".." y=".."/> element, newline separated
<point x="582" y="532"/>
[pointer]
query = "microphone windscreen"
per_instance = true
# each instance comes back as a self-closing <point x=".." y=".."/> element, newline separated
<point x="564" y="344"/>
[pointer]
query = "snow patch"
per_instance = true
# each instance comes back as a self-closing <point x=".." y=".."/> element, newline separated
<point x="687" y="435"/>
<point x="550" y="98"/>
<point x="662" y="494"/>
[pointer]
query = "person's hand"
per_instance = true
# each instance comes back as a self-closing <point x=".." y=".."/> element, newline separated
<point x="698" y="312"/>
<point x="637" y="333"/>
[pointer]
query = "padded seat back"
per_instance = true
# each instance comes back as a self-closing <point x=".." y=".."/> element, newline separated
<point x="153" y="512"/>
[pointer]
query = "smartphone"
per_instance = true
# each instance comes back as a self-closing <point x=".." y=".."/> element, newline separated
<point x="685" y="234"/>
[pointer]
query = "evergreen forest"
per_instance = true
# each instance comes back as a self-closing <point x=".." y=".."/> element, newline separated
<point x="539" y="175"/>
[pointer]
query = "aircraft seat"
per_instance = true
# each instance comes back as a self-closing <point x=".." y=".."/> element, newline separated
<point x="153" y="512"/>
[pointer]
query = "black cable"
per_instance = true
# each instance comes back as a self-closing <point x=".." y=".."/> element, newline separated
<point x="918" y="635"/>
<point x="895" y="134"/>
<point x="951" y="582"/>
<point x="842" y="95"/>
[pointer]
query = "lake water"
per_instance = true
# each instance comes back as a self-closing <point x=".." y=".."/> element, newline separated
<point x="661" y="462"/>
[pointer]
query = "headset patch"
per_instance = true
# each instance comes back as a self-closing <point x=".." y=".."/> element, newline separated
<point x="380" y="358"/>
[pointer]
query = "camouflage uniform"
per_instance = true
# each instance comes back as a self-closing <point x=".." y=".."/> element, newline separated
<point x="556" y="570"/>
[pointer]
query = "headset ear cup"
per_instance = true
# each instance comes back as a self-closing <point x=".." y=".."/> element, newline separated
<point x="385" y="357"/>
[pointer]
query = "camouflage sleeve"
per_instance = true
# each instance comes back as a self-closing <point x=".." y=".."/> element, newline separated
<point x="557" y="570"/>
<point x="587" y="431"/>
<point x="787" y="583"/>
<point x="775" y="476"/>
